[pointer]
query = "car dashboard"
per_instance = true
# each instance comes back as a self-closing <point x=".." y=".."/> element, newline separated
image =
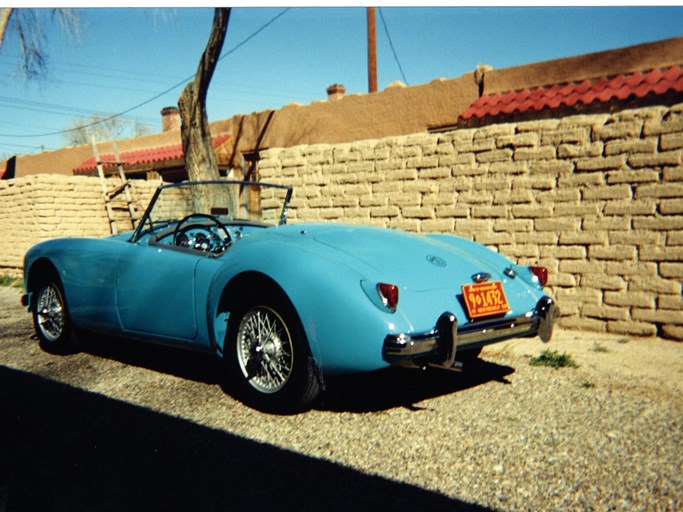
<point x="202" y="237"/>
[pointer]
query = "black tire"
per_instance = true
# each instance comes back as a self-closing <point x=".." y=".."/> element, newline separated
<point x="51" y="320"/>
<point x="269" y="364"/>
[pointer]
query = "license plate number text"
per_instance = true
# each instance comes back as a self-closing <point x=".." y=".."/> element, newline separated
<point x="485" y="299"/>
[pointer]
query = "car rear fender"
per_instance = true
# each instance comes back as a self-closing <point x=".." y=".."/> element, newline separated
<point x="343" y="328"/>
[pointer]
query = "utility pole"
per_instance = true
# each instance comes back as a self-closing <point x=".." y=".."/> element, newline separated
<point x="372" y="51"/>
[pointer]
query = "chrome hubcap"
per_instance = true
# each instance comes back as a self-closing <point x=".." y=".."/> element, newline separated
<point x="50" y="312"/>
<point x="264" y="350"/>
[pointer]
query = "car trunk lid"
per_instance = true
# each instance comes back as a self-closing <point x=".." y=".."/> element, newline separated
<point x="415" y="262"/>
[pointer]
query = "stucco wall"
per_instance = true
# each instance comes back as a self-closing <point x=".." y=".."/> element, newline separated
<point x="597" y="199"/>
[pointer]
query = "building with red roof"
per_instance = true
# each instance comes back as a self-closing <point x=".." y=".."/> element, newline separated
<point x="620" y="89"/>
<point x="603" y="81"/>
<point x="166" y="162"/>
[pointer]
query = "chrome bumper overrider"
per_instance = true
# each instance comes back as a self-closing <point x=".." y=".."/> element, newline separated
<point x="438" y="347"/>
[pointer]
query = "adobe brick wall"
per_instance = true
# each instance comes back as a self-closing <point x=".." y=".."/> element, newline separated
<point x="598" y="199"/>
<point x="45" y="206"/>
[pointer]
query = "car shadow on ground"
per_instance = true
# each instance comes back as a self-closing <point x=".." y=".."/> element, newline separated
<point x="401" y="387"/>
<point x="365" y="392"/>
<point x="65" y="449"/>
<point x="189" y="365"/>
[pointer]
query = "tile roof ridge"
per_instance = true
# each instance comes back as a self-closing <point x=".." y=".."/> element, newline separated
<point x="142" y="155"/>
<point x="602" y="89"/>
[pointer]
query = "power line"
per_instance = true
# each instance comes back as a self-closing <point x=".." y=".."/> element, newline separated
<point x="55" y="109"/>
<point x="65" y="68"/>
<point x="142" y="104"/>
<point x="20" y="146"/>
<point x="391" y="44"/>
<point x="111" y="74"/>
<point x="217" y="86"/>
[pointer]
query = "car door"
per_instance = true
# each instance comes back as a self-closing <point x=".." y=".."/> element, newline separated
<point x="155" y="291"/>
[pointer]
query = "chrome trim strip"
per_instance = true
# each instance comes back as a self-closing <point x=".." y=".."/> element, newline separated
<point x="404" y="345"/>
<point x="439" y="345"/>
<point x="493" y="333"/>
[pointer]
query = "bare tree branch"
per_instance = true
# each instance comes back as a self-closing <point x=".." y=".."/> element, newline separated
<point x="31" y="39"/>
<point x="32" y="42"/>
<point x="69" y="21"/>
<point x="103" y="128"/>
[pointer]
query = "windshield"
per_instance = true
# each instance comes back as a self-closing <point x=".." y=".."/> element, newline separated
<point x="229" y="201"/>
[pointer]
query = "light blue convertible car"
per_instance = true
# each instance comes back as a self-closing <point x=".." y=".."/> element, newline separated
<point x="212" y="266"/>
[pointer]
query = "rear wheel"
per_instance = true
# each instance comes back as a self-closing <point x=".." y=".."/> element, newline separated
<point x="268" y="358"/>
<point x="51" y="318"/>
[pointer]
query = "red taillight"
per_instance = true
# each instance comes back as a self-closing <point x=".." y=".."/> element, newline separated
<point x="541" y="273"/>
<point x="389" y="294"/>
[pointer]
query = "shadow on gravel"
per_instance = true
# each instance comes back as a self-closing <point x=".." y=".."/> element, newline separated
<point x="64" y="449"/>
<point x="365" y="392"/>
<point x="196" y="366"/>
<point x="398" y="387"/>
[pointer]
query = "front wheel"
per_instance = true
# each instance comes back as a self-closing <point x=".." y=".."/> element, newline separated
<point x="269" y="361"/>
<point x="51" y="319"/>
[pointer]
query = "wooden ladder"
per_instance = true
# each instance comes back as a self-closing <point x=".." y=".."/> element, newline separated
<point x="110" y="194"/>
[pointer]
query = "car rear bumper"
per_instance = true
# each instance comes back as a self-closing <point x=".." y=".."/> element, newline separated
<point x="439" y="346"/>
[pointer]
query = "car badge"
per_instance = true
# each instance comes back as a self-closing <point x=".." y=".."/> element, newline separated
<point x="435" y="260"/>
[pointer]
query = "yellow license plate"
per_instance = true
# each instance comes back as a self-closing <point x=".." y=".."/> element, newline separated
<point x="485" y="299"/>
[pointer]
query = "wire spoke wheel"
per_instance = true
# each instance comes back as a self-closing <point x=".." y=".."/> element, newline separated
<point x="51" y="321"/>
<point x="269" y="365"/>
<point x="264" y="350"/>
<point x="50" y="312"/>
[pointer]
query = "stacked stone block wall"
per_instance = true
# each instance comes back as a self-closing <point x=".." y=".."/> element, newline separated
<point x="598" y="199"/>
<point x="45" y="206"/>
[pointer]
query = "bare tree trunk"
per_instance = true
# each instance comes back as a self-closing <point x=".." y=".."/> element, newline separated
<point x="200" y="157"/>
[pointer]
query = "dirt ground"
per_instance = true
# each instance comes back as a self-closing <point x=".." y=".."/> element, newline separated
<point x="121" y="426"/>
<point x="652" y="361"/>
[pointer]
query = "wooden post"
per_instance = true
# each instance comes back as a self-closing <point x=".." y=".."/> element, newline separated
<point x="372" y="51"/>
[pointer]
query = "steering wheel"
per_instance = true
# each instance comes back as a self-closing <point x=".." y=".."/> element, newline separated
<point x="200" y="241"/>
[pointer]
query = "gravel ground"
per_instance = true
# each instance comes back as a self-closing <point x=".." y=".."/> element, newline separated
<point x="129" y="427"/>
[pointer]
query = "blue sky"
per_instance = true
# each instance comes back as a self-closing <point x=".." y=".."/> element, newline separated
<point x="127" y="56"/>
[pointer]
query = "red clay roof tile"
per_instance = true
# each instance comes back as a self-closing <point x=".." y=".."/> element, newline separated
<point x="601" y="90"/>
<point x="142" y="156"/>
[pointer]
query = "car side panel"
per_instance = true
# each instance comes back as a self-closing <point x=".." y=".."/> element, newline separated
<point x="155" y="291"/>
<point x="152" y="289"/>
<point x="205" y="287"/>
